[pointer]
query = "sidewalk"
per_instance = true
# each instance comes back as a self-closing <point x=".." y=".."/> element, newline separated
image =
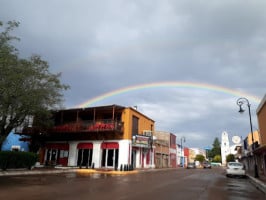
<point x="259" y="183"/>
<point x="58" y="170"/>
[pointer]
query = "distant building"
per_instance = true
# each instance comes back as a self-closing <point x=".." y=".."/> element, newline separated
<point x="192" y="155"/>
<point x="186" y="156"/>
<point x="173" y="150"/>
<point x="199" y="151"/>
<point x="13" y="143"/>
<point x="225" y="147"/>
<point x="179" y="155"/>
<point x="165" y="149"/>
<point x="193" y="152"/>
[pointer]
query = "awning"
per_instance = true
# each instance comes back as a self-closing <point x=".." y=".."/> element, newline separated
<point x="85" y="146"/>
<point x="61" y="146"/>
<point x="110" y="145"/>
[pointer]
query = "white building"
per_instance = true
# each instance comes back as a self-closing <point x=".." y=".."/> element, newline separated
<point x="225" y="147"/>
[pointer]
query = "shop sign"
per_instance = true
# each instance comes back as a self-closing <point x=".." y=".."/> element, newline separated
<point x="141" y="141"/>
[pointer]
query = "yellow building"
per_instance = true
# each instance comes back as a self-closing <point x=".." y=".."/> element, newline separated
<point x="192" y="155"/>
<point x="256" y="138"/>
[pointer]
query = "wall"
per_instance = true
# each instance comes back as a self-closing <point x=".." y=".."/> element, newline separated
<point x="145" y="123"/>
<point x="124" y="152"/>
<point x="261" y="115"/>
<point x="13" y="140"/>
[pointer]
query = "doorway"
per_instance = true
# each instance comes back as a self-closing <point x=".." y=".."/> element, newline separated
<point x="110" y="158"/>
<point x="85" y="157"/>
<point x="52" y="156"/>
<point x="133" y="158"/>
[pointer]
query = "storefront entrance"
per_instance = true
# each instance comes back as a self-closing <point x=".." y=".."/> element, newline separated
<point x="56" y="154"/>
<point x="84" y="157"/>
<point x="85" y="151"/>
<point x="110" y="152"/>
<point x="133" y="158"/>
<point x="52" y="156"/>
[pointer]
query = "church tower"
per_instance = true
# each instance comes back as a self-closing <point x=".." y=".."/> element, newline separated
<point x="225" y="147"/>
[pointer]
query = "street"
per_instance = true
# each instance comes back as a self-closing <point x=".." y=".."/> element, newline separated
<point x="155" y="184"/>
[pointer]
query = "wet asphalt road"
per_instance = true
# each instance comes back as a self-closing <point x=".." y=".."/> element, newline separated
<point x="196" y="184"/>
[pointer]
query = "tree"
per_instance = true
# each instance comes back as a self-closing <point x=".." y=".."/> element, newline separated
<point x="26" y="85"/>
<point x="199" y="158"/>
<point x="216" y="150"/>
<point x="230" y="158"/>
<point x="217" y="158"/>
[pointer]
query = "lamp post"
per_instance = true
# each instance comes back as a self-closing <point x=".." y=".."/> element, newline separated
<point x="240" y="102"/>
<point x="183" y="139"/>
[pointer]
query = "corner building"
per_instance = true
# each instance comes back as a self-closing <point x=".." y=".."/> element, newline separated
<point x="109" y="136"/>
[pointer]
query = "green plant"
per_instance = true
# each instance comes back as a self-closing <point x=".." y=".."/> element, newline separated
<point x="230" y="158"/>
<point x="199" y="158"/>
<point x="12" y="159"/>
<point x="217" y="158"/>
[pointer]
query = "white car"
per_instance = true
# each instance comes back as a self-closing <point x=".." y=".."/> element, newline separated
<point x="235" y="169"/>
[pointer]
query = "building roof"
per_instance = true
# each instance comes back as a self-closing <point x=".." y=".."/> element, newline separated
<point x="103" y="108"/>
<point x="262" y="103"/>
<point x="106" y="107"/>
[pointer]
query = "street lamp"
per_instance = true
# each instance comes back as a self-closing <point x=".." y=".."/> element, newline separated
<point x="183" y="139"/>
<point x="240" y="102"/>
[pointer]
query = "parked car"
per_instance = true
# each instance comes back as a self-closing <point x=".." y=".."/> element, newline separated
<point x="191" y="165"/>
<point x="206" y="165"/>
<point x="235" y="169"/>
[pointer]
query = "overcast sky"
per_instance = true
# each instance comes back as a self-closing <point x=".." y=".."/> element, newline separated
<point x="104" y="45"/>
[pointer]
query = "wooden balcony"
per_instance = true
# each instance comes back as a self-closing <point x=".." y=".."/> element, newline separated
<point x="89" y="126"/>
<point x="80" y="127"/>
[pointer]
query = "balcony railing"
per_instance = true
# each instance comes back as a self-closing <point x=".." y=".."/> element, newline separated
<point x="89" y="126"/>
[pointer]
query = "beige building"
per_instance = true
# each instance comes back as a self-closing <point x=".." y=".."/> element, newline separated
<point x="192" y="155"/>
<point x="162" y="153"/>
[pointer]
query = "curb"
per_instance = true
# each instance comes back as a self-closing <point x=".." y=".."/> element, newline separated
<point x="92" y="171"/>
<point x="60" y="170"/>
<point x="258" y="184"/>
<point x="34" y="172"/>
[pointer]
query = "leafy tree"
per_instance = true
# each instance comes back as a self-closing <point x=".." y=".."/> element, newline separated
<point x="199" y="158"/>
<point x="217" y="158"/>
<point x="216" y="150"/>
<point x="230" y="158"/>
<point x="26" y="85"/>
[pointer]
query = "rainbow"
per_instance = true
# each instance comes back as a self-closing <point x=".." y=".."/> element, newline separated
<point x="172" y="84"/>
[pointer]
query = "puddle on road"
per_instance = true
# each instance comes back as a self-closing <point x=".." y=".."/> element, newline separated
<point x="92" y="175"/>
<point x="239" y="189"/>
<point x="71" y="175"/>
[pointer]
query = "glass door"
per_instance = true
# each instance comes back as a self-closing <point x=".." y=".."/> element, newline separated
<point x="110" y="158"/>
